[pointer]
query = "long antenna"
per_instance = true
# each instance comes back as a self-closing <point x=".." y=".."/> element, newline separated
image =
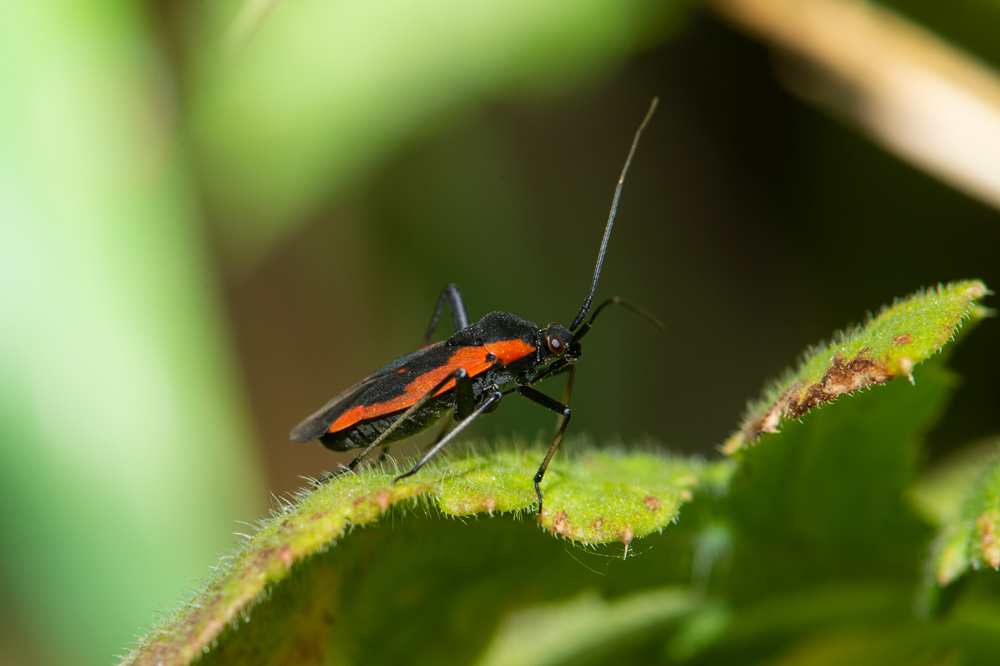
<point x="611" y="218"/>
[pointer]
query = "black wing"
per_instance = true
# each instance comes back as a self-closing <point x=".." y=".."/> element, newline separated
<point x="318" y="423"/>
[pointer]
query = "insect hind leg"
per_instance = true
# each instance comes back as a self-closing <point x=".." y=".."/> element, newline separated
<point x="458" y="376"/>
<point x="459" y="318"/>
<point x="448" y="421"/>
<point x="343" y="470"/>
<point x="490" y="402"/>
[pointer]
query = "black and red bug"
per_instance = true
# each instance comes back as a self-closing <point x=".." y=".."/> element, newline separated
<point x="464" y="376"/>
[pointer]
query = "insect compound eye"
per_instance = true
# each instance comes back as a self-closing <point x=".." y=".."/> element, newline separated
<point x="556" y="345"/>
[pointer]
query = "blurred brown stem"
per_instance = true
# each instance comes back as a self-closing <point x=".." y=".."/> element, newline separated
<point x="913" y="93"/>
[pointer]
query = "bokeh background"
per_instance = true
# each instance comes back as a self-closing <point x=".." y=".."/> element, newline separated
<point x="215" y="216"/>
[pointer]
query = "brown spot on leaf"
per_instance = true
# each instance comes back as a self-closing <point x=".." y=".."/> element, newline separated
<point x="286" y="555"/>
<point x="384" y="499"/>
<point x="261" y="559"/>
<point x="840" y="378"/>
<point x="651" y="503"/>
<point x="986" y="525"/>
<point x="903" y="339"/>
<point x="627" y="535"/>
<point x="473" y="504"/>
<point x="597" y="524"/>
<point x="560" y="523"/>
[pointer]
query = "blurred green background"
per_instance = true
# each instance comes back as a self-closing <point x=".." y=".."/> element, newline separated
<point x="215" y="216"/>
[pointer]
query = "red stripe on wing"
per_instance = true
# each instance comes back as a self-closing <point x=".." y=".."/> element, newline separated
<point x="475" y="360"/>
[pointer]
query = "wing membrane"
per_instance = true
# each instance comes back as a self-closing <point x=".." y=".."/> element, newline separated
<point x="319" y="422"/>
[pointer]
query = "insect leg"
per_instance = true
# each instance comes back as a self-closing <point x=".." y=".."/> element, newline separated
<point x="350" y="466"/>
<point x="465" y="399"/>
<point x="567" y="394"/>
<point x="556" y="406"/>
<point x="465" y="404"/>
<point x="448" y="420"/>
<point x="556" y="368"/>
<point x="456" y="303"/>
<point x="491" y="400"/>
<point x="459" y="376"/>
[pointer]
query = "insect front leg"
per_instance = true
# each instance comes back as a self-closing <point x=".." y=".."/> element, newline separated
<point x="558" y="368"/>
<point x="567" y="394"/>
<point x="459" y="318"/>
<point x="549" y="403"/>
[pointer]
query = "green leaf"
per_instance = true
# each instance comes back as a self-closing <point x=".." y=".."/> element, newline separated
<point x="971" y="539"/>
<point x="889" y="345"/>
<point x="825" y="541"/>
<point x="584" y="629"/>
<point x="854" y="622"/>
<point x="827" y="496"/>
<point x="813" y="523"/>
<point x="940" y="493"/>
<point x="783" y="617"/>
<point x="593" y="497"/>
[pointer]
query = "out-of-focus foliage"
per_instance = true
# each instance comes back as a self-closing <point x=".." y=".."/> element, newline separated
<point x="911" y="91"/>
<point x="213" y="216"/>
<point x="116" y="382"/>
<point x="308" y="101"/>
<point x="971" y="539"/>
<point x="117" y="378"/>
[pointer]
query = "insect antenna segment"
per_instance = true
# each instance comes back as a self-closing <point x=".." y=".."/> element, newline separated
<point x="611" y="218"/>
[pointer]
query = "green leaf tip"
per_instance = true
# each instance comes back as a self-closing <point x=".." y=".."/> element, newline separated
<point x="887" y="346"/>
<point x="971" y="538"/>
<point x="591" y="497"/>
